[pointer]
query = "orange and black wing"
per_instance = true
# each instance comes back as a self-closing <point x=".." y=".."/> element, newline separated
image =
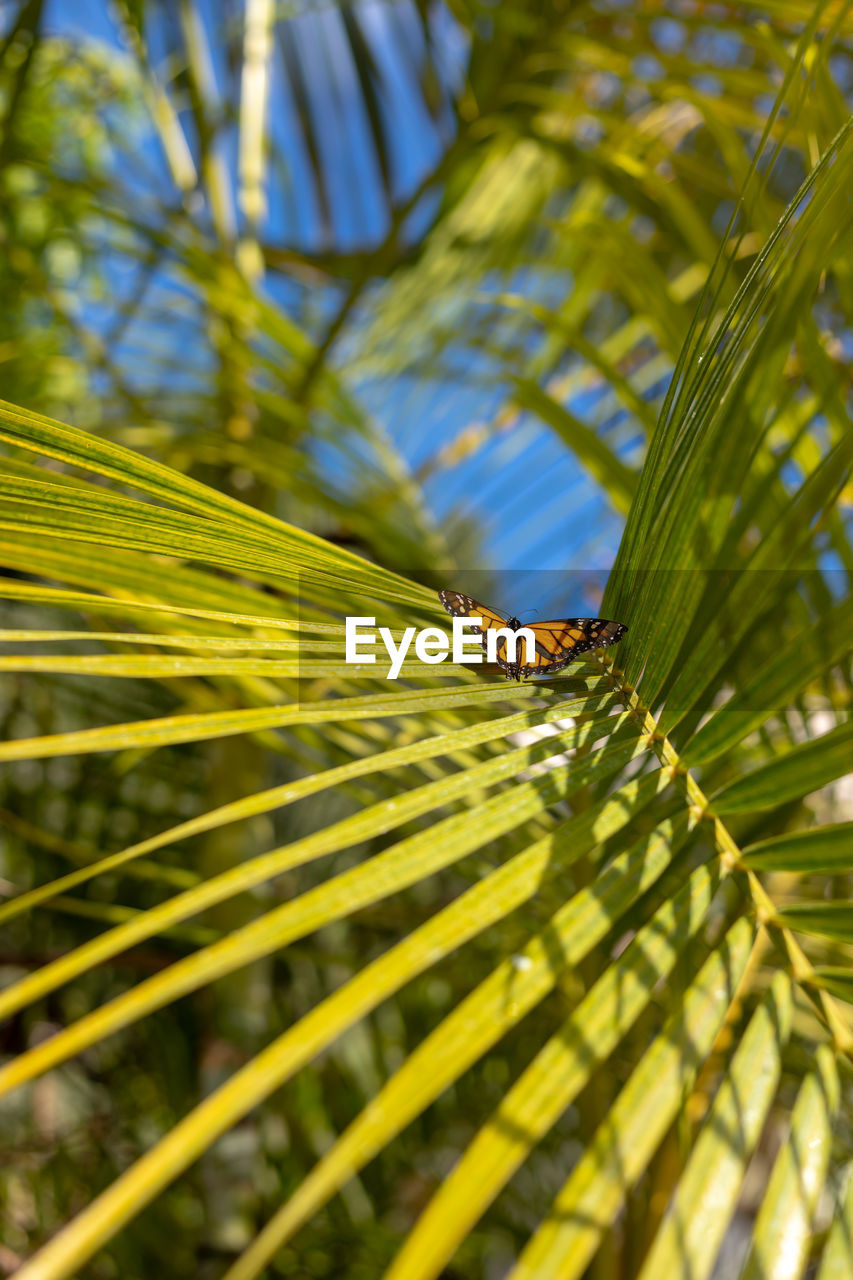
<point x="462" y="606"/>
<point x="558" y="642"/>
<point x="561" y="641"/>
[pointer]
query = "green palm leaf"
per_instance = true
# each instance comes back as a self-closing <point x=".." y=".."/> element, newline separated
<point x="572" y="955"/>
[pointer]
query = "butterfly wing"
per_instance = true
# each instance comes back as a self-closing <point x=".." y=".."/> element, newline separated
<point x="560" y="641"/>
<point x="462" y="606"/>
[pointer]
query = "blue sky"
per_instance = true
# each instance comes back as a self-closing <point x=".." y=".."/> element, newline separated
<point x="536" y="510"/>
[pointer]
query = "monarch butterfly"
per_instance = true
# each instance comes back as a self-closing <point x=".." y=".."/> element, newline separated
<point x="558" y="642"/>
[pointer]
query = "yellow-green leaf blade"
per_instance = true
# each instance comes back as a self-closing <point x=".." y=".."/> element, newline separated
<point x="596" y="1190"/>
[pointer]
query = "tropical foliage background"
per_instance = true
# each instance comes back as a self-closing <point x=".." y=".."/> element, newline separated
<point x="308" y="310"/>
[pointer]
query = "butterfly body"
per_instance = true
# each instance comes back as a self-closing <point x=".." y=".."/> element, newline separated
<point x="558" y="642"/>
